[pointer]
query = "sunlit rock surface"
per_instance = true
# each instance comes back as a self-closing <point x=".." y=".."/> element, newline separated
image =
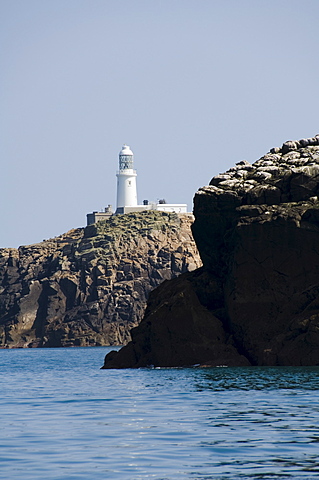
<point x="89" y="286"/>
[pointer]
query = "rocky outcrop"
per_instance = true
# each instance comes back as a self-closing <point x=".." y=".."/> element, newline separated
<point x="256" y="299"/>
<point x="89" y="286"/>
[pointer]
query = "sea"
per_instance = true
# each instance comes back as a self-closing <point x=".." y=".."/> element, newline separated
<point x="63" y="418"/>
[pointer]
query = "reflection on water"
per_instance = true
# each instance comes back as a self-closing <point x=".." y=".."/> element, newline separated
<point x="63" y="419"/>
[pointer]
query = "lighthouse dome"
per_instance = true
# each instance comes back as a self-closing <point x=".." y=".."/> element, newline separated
<point x="126" y="150"/>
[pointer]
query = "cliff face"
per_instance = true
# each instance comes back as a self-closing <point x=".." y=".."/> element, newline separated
<point x="90" y="285"/>
<point x="256" y="298"/>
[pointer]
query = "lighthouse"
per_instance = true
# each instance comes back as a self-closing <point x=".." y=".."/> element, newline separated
<point x="126" y="201"/>
<point x="126" y="180"/>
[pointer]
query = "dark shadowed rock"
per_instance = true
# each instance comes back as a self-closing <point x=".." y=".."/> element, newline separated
<point x="256" y="298"/>
<point x="179" y="332"/>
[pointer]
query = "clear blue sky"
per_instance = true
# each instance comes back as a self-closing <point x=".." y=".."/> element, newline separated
<point x="193" y="86"/>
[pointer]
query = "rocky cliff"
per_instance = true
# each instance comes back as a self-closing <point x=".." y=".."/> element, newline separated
<point x="90" y="285"/>
<point x="255" y="301"/>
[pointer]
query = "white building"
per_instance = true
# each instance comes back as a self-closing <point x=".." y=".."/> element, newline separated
<point x="126" y="198"/>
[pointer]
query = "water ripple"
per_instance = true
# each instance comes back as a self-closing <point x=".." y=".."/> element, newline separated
<point x="64" y="419"/>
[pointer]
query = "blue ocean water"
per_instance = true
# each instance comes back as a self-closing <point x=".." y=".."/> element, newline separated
<point x="62" y="418"/>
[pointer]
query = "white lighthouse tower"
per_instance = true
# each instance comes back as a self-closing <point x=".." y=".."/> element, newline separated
<point x="126" y="181"/>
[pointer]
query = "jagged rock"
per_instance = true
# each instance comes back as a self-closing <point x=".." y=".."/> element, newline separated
<point x="256" y="298"/>
<point x="90" y="285"/>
